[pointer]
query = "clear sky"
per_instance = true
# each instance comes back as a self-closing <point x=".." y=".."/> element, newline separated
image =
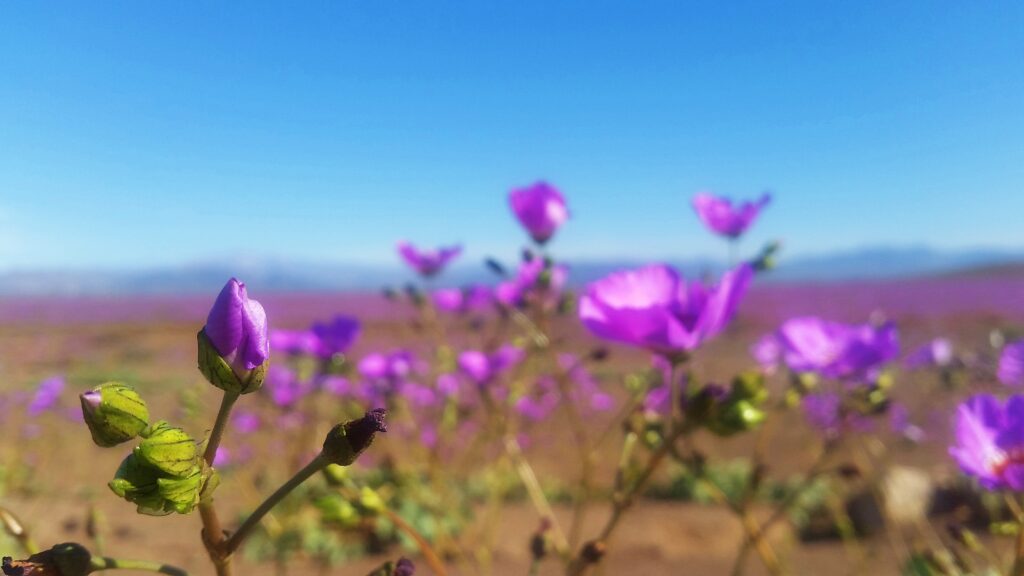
<point x="154" y="133"/>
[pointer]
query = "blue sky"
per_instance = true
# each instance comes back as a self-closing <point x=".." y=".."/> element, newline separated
<point x="153" y="133"/>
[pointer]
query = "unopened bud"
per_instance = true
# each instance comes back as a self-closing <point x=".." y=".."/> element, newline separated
<point x="114" y="413"/>
<point x="169" y="450"/>
<point x="219" y="372"/>
<point x="68" y="559"/>
<point x="345" y="442"/>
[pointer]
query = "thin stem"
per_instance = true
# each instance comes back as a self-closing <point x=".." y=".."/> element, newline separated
<point x="236" y="539"/>
<point x="226" y="403"/>
<point x="213" y="533"/>
<point x="534" y="490"/>
<point x="103" y="563"/>
<point x="1018" y="556"/>
<point x="16" y="529"/>
<point x="426" y="549"/>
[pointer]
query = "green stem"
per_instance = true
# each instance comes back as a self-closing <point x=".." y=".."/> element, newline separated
<point x="218" y="426"/>
<point x="213" y="534"/>
<point x="101" y="563"/>
<point x="236" y="539"/>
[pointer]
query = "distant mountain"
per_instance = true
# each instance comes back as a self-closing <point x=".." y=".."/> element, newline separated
<point x="291" y="276"/>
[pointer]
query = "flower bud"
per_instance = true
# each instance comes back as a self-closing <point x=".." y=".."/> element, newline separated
<point x="345" y="442"/>
<point x="114" y="413"/>
<point x="67" y="559"/>
<point x="233" y="346"/>
<point x="219" y="373"/>
<point x="169" y="450"/>
<point x="157" y="493"/>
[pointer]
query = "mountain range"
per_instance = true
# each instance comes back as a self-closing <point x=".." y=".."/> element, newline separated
<point x="874" y="263"/>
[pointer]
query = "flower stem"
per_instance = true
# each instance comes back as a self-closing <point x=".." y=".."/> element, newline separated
<point x="101" y="563"/>
<point x="218" y="427"/>
<point x="213" y="533"/>
<point x="236" y="539"/>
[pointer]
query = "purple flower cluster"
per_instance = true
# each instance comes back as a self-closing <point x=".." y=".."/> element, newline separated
<point x="535" y="280"/>
<point x="829" y="349"/>
<point x="654" y="308"/>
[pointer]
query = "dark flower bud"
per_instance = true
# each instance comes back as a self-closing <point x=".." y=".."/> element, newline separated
<point x="345" y="442"/>
<point x="114" y="413"/>
<point x="389" y="294"/>
<point x="599" y="354"/>
<point x="68" y="559"/>
<point x="539" y="542"/>
<point x="414" y="295"/>
<point x="593" y="551"/>
<point x="404" y="567"/>
<point x="848" y="471"/>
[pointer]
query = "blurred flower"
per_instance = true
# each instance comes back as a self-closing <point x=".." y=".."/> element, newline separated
<point x="284" y="386"/>
<point x="427" y="262"/>
<point x="384" y="374"/>
<point x="938" y="353"/>
<point x="336" y="336"/>
<point x="462" y="300"/>
<point x="721" y="217"/>
<point x="540" y="208"/>
<point x="990" y="441"/>
<point x="768" y="352"/>
<point x="537" y="277"/>
<point x="245" y="422"/>
<point x="336" y="385"/>
<point x="294" y="342"/>
<point x="585" y="390"/>
<point x="652" y="307"/>
<point x="825" y="412"/>
<point x="46" y="395"/>
<point x="1011" y="364"/>
<point x="482" y="368"/>
<point x="222" y="458"/>
<point x="836" y="350"/>
<point x="899" y="422"/>
<point x="237" y="328"/>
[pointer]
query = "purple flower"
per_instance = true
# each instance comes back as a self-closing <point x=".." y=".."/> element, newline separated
<point x="427" y="262"/>
<point x="534" y="277"/>
<point x="825" y="412"/>
<point x="385" y="374"/>
<point x="768" y="352"/>
<point x="336" y="385"/>
<point x="540" y="208"/>
<point x="990" y="441"/>
<point x="585" y="391"/>
<point x="654" y="308"/>
<point x="537" y="408"/>
<point x="237" y="328"/>
<point x="46" y="395"/>
<point x="938" y="353"/>
<point x="295" y="342"/>
<point x="835" y="350"/>
<point x="245" y="422"/>
<point x="721" y="217"/>
<point x="284" y="386"/>
<point x="335" y="337"/>
<point x="1011" y="364"/>
<point x="483" y="368"/>
<point x="462" y="300"/>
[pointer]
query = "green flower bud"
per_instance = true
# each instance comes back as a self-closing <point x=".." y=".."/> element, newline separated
<point x="114" y="413"/>
<point x="345" y="442"/>
<point x="157" y="493"/>
<point x="219" y="373"/>
<point x="169" y="450"/>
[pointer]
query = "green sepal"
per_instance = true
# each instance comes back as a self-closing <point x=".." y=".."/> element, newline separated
<point x="120" y="416"/>
<point x="219" y="373"/>
<point x="169" y="449"/>
<point x="181" y="494"/>
<point x="136" y="482"/>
